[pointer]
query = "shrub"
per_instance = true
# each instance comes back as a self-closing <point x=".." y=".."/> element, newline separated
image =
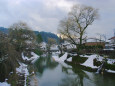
<point x="78" y="59"/>
<point x="109" y="66"/>
<point x="38" y="52"/>
<point x="96" y="63"/>
<point x="106" y="65"/>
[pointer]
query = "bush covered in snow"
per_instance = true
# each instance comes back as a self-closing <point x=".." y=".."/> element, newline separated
<point x="20" y="40"/>
<point x="106" y="65"/>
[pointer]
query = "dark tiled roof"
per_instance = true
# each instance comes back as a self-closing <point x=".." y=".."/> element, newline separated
<point x="112" y="38"/>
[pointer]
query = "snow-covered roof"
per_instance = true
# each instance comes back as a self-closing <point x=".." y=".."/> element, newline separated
<point x="93" y="40"/>
<point x="55" y="47"/>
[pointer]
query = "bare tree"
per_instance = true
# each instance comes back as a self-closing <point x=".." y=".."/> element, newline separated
<point x="50" y="43"/>
<point x="8" y="57"/>
<point x="102" y="37"/>
<point x="21" y="36"/>
<point x="78" y="20"/>
<point x="105" y="38"/>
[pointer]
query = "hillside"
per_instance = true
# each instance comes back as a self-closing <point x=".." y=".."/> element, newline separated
<point x="45" y="35"/>
<point x="5" y="30"/>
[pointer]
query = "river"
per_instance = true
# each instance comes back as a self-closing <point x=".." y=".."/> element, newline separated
<point x="50" y="73"/>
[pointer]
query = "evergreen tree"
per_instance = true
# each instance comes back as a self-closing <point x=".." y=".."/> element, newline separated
<point x="39" y="38"/>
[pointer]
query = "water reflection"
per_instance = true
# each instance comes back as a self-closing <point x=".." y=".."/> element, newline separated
<point x="51" y="73"/>
<point x="75" y="77"/>
<point x="45" y="63"/>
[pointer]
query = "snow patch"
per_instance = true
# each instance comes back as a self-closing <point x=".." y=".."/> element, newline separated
<point x="4" y="84"/>
<point x="110" y="71"/>
<point x="110" y="61"/>
<point x="89" y="61"/>
<point x="69" y="59"/>
<point x="72" y="54"/>
<point x="54" y="47"/>
<point x="35" y="57"/>
<point x="32" y="59"/>
<point x="24" y="57"/>
<point x="22" y="69"/>
<point x="62" y="58"/>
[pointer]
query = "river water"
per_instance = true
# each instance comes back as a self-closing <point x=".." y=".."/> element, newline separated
<point x="50" y="73"/>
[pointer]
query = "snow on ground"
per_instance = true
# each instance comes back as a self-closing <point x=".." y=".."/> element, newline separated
<point x="89" y="61"/>
<point x="61" y="60"/>
<point x="69" y="59"/>
<point x="4" y="84"/>
<point x="110" y="61"/>
<point x="56" y="58"/>
<point x="33" y="58"/>
<point x="24" y="57"/>
<point x="72" y="54"/>
<point x="109" y="49"/>
<point x="64" y="57"/>
<point x="54" y="47"/>
<point x="110" y="71"/>
<point x="56" y="53"/>
<point x="22" y="69"/>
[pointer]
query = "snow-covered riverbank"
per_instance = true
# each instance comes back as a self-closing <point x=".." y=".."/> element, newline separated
<point x="88" y="63"/>
<point x="62" y="59"/>
<point x="32" y="59"/>
<point x="4" y="84"/>
<point x="23" y="67"/>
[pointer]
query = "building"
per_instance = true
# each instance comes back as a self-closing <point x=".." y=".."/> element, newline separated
<point x="94" y="42"/>
<point x="112" y="42"/>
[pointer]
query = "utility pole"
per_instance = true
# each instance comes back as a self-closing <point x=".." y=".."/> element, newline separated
<point x="104" y="36"/>
<point x="114" y="36"/>
<point x="114" y="32"/>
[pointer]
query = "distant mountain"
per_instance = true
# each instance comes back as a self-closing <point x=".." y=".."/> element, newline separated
<point x="45" y="35"/>
<point x="5" y="30"/>
<point x="36" y="32"/>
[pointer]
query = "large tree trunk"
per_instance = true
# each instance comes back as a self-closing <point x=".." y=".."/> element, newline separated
<point x="80" y="39"/>
<point x="79" y="45"/>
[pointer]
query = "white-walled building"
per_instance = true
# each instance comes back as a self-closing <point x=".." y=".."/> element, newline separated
<point x="112" y="42"/>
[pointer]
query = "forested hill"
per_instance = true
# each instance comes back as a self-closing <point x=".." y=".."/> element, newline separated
<point x="45" y="35"/>
<point x="5" y="30"/>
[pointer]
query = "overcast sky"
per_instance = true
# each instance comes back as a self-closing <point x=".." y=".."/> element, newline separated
<point x="44" y="15"/>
